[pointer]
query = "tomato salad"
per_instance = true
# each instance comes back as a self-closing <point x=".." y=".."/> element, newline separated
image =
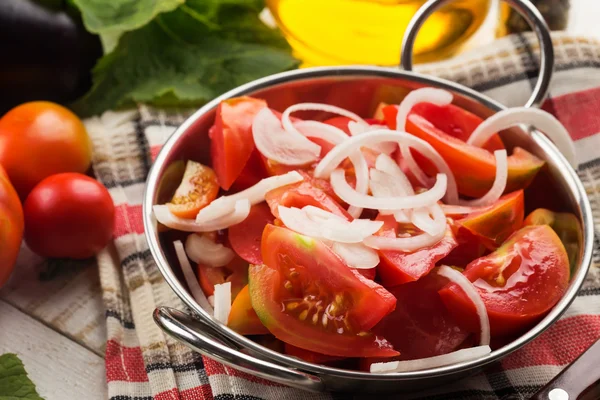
<point x="386" y="245"/>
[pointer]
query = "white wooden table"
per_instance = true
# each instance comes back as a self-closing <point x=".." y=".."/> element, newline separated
<point x="57" y="326"/>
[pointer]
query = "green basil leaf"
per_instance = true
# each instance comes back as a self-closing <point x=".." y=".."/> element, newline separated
<point x="14" y="382"/>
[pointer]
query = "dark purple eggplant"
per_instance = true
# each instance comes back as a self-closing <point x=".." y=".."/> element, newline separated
<point x="45" y="54"/>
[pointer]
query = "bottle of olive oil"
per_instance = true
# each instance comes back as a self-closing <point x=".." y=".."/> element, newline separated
<point x="334" y="32"/>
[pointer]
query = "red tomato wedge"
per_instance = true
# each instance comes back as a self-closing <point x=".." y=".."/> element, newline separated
<point x="197" y="189"/>
<point x="519" y="283"/>
<point x="308" y="297"/>
<point x="309" y="192"/>
<point x="254" y="171"/>
<point x="468" y="249"/>
<point x="235" y="272"/>
<point x="495" y="224"/>
<point x="231" y="137"/>
<point x="454" y="121"/>
<point x="309" y="356"/>
<point x="397" y="267"/>
<point x="243" y="318"/>
<point x="474" y="168"/>
<point x="566" y="226"/>
<point x="245" y="237"/>
<point x="420" y="326"/>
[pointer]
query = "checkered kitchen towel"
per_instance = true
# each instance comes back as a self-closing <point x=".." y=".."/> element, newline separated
<point x="143" y="363"/>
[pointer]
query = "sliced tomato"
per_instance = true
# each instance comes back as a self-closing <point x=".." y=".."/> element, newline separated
<point x="245" y="237"/>
<point x="474" y="168"/>
<point x="397" y="267"/>
<point x="243" y="318"/>
<point x="309" y="298"/>
<point x="566" y="226"/>
<point x="197" y="189"/>
<point x="495" y="224"/>
<point x="420" y="326"/>
<point x="309" y="192"/>
<point x="468" y="249"/>
<point x="340" y="123"/>
<point x="310" y="356"/>
<point x="369" y="273"/>
<point x="455" y="121"/>
<point x="254" y="171"/>
<point x="235" y="272"/>
<point x="519" y="283"/>
<point x="231" y="137"/>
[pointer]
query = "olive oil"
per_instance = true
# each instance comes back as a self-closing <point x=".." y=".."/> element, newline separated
<point x="333" y="32"/>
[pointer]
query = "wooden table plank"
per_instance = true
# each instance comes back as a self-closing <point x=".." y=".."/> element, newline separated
<point x="69" y="301"/>
<point x="60" y="368"/>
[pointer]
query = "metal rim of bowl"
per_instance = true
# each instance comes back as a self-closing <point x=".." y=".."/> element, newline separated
<point x="549" y="149"/>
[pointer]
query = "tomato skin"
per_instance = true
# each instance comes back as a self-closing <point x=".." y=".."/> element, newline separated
<point x="245" y="237"/>
<point x="309" y="192"/>
<point x="566" y="226"/>
<point x="398" y="267"/>
<point x="293" y="278"/>
<point x="494" y="225"/>
<point x="39" y="139"/>
<point x="68" y="215"/>
<point x="420" y="326"/>
<point x="468" y="249"/>
<point x="11" y="227"/>
<point x="235" y="272"/>
<point x="455" y="121"/>
<point x="242" y="317"/>
<point x="518" y="283"/>
<point x="231" y="139"/>
<point x="309" y="356"/>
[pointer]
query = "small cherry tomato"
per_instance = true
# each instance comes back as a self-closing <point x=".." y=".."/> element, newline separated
<point x="197" y="189"/>
<point x="68" y="215"/>
<point x="11" y="226"/>
<point x="40" y="139"/>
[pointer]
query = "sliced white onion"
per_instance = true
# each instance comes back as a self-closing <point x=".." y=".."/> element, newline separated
<point x="357" y="128"/>
<point x="498" y="186"/>
<point x="383" y="184"/>
<point x="320" y="130"/>
<point x="540" y="119"/>
<point x="239" y="213"/>
<point x="344" y="149"/>
<point x="421" y="218"/>
<point x="361" y="171"/>
<point x="472" y="293"/>
<point x="222" y="301"/>
<point x="356" y="255"/>
<point x="255" y="194"/>
<point x="412" y="165"/>
<point x="349" y="195"/>
<point x="403" y="216"/>
<point x="289" y="126"/>
<point x="386" y="164"/>
<point x="203" y="250"/>
<point x="439" y="97"/>
<point x="333" y="228"/>
<point x="318" y="214"/>
<point x="406" y="244"/>
<point x="277" y="144"/>
<point x="455" y="357"/>
<point x="460" y="210"/>
<point x="190" y="278"/>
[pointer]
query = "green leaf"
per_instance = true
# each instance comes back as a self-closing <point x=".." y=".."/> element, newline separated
<point x="110" y="19"/>
<point x="187" y="57"/>
<point x="14" y="382"/>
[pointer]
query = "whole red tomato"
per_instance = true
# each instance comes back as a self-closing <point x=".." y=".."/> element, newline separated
<point x="40" y="139"/>
<point x="11" y="226"/>
<point x="68" y="215"/>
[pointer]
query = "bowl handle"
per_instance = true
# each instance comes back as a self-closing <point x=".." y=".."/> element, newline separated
<point x="527" y="10"/>
<point x="205" y="340"/>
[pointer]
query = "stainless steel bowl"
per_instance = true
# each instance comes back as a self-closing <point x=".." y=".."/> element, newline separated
<point x="358" y="89"/>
